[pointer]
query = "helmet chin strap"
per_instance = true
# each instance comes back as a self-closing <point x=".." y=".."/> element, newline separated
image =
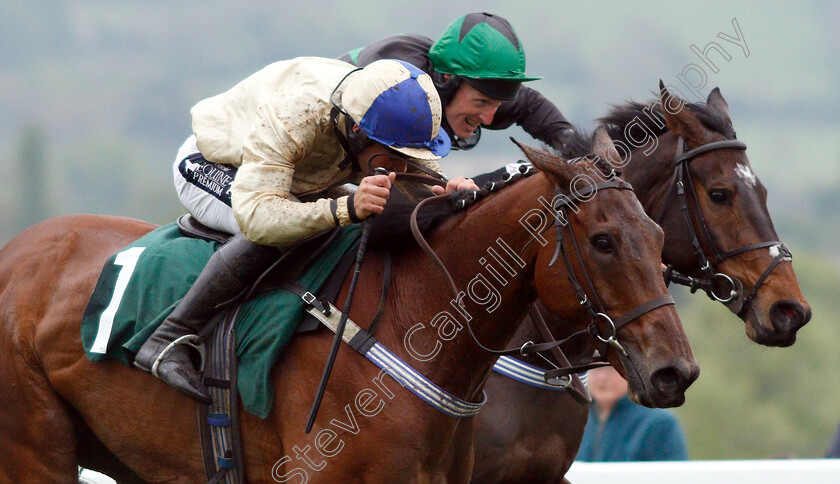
<point x="457" y="142"/>
<point x="352" y="143"/>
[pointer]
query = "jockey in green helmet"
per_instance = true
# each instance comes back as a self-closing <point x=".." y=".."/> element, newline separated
<point x="478" y="66"/>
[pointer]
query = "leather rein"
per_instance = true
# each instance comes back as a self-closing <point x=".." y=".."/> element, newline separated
<point x="430" y="177"/>
<point x="736" y="300"/>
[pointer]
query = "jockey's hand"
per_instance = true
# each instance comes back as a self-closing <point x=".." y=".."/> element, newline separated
<point x="457" y="183"/>
<point x="372" y="194"/>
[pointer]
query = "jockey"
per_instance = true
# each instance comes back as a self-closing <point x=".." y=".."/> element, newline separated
<point x="478" y="66"/>
<point x="258" y="164"/>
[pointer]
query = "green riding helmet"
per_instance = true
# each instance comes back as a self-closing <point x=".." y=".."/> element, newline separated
<point x="484" y="50"/>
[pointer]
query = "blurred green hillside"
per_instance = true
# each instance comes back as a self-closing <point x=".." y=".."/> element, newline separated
<point x="95" y="99"/>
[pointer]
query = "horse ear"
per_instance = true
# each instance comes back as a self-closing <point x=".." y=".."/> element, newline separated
<point x="543" y="160"/>
<point x="603" y="146"/>
<point x="679" y="118"/>
<point x="718" y="103"/>
<point x="547" y="163"/>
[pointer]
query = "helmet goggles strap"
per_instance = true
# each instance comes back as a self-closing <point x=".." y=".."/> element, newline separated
<point x="353" y="146"/>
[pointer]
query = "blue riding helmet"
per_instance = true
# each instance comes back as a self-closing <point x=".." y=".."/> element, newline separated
<point x="395" y="104"/>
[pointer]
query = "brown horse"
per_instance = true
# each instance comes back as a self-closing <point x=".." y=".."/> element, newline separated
<point x="527" y="433"/>
<point x="59" y="410"/>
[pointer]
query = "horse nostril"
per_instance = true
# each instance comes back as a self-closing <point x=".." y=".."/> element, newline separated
<point x="674" y="380"/>
<point x="788" y="316"/>
<point x="667" y="380"/>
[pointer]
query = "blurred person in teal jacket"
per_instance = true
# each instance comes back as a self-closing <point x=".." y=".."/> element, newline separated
<point x="620" y="430"/>
<point x="833" y="451"/>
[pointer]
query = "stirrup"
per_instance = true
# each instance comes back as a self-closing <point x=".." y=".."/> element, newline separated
<point x="187" y="339"/>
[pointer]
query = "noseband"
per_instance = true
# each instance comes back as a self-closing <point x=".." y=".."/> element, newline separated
<point x="737" y="302"/>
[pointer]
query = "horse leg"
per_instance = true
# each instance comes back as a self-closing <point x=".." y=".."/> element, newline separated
<point x="460" y="453"/>
<point x="36" y="429"/>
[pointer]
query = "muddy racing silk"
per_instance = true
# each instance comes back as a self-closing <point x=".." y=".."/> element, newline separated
<point x="275" y="126"/>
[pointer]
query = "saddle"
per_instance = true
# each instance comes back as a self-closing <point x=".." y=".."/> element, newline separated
<point x="294" y="261"/>
<point x="219" y="422"/>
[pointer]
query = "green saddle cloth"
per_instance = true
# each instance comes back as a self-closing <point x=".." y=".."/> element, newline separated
<point x="141" y="284"/>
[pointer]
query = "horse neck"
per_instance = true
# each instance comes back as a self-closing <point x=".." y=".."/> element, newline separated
<point x="481" y="251"/>
<point x="650" y="174"/>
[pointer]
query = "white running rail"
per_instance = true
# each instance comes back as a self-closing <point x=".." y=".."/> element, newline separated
<point x="781" y="471"/>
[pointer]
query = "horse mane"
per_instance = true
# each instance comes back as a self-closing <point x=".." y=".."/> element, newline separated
<point x="392" y="228"/>
<point x="621" y="115"/>
<point x="579" y="145"/>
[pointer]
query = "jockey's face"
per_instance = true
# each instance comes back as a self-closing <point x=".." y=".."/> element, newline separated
<point x="468" y="109"/>
<point x="377" y="155"/>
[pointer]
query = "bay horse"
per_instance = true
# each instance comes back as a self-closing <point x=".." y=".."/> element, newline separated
<point x="532" y="434"/>
<point x="59" y="410"/>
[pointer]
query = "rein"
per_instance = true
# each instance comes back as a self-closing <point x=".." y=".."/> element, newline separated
<point x="431" y="178"/>
<point x="737" y="302"/>
<point x="421" y="241"/>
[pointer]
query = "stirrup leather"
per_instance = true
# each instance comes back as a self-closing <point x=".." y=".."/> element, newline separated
<point x="187" y="339"/>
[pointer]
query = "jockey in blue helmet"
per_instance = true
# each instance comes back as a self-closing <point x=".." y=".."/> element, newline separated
<point x="288" y="132"/>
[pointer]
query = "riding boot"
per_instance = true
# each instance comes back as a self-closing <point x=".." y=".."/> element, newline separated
<point x="227" y="274"/>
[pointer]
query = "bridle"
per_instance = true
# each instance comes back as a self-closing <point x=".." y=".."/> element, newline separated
<point x="592" y="305"/>
<point x="737" y="302"/>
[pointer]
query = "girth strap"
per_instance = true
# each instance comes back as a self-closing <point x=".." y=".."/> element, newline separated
<point x="398" y="369"/>
<point x="531" y="375"/>
<point x="310" y="299"/>
<point x="219" y="423"/>
<point x="225" y="464"/>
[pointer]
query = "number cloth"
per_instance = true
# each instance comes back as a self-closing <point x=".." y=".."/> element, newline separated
<point x="140" y="285"/>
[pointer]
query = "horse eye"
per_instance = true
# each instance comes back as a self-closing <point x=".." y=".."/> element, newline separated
<point x="602" y="243"/>
<point x="721" y="196"/>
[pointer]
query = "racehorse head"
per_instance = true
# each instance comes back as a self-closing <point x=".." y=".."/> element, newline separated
<point x="603" y="242"/>
<point x="693" y="176"/>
